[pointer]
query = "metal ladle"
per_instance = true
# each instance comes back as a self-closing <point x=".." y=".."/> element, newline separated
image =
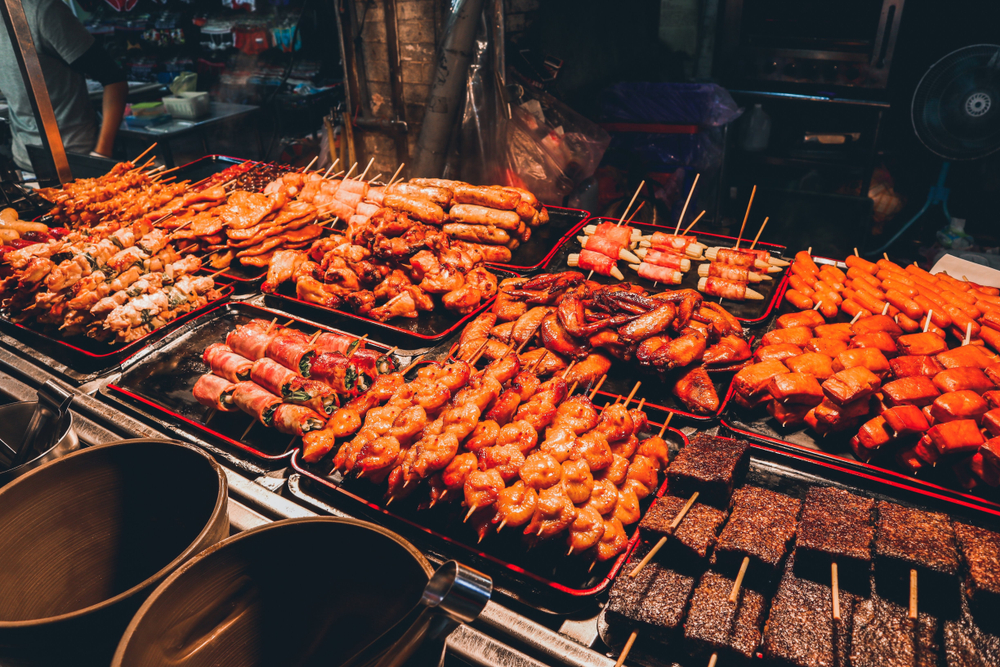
<point x="53" y="402"/>
<point x="455" y="594"/>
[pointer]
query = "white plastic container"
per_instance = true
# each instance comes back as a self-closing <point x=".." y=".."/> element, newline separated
<point x="187" y="105"/>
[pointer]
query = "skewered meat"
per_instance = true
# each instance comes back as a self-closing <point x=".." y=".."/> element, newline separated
<point x="215" y="392"/>
<point x="850" y="385"/>
<point x="915" y="390"/>
<point x="958" y="379"/>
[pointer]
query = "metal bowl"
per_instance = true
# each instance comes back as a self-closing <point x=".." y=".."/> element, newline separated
<point x="85" y="538"/>
<point x="15" y="418"/>
<point x="298" y="592"/>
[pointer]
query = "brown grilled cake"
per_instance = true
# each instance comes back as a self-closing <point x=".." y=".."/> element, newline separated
<point x="712" y="466"/>
<point x="883" y="636"/>
<point x="980" y="551"/>
<point x="968" y="645"/>
<point x="835" y="525"/>
<point x="716" y="624"/>
<point x="761" y="525"/>
<point x="696" y="534"/>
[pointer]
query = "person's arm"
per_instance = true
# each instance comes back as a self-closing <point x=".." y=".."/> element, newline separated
<point x="98" y="65"/>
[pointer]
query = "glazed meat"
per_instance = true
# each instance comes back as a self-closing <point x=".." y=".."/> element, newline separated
<point x="850" y="385"/>
<point x="915" y="390"/>
<point x="958" y="405"/>
<point x="868" y="357"/>
<point x="815" y="364"/>
<point x="922" y="344"/>
<point x="795" y="388"/>
<point x="958" y="379"/>
<point x="907" y="366"/>
<point x="779" y="352"/>
<point x="753" y="380"/>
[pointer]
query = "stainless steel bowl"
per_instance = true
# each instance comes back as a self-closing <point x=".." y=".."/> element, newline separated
<point x="14" y="420"/>
<point x="85" y="538"/>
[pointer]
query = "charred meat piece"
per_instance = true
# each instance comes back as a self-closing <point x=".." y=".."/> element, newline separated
<point x="712" y="466"/>
<point x="729" y="350"/>
<point x="654" y="600"/>
<point x="695" y="389"/>
<point x="966" y="645"/>
<point x="851" y="385"/>
<point x="696" y="534"/>
<point x="907" y="366"/>
<point x="761" y="525"/>
<point x="800" y="629"/>
<point x="980" y="549"/>
<point x="716" y="624"/>
<point x="916" y="390"/>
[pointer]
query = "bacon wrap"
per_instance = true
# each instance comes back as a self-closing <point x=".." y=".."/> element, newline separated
<point x="374" y="363"/>
<point x="341" y="373"/>
<point x="736" y="274"/>
<point x="226" y="363"/>
<point x="329" y="342"/>
<point x="595" y="261"/>
<point x="739" y="258"/>
<point x="604" y="245"/>
<point x="762" y="255"/>
<point x="619" y="235"/>
<point x="215" y="392"/>
<point x="250" y="341"/>
<point x="664" y="241"/>
<point x="667" y="258"/>
<point x="256" y="401"/>
<point x="292" y="352"/>
<point x="660" y="274"/>
<point x="296" y="420"/>
<point x="310" y="393"/>
<point x="727" y="289"/>
<point x="271" y="375"/>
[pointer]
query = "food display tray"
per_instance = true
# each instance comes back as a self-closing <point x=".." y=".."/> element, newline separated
<point x="158" y="385"/>
<point x="542" y="576"/>
<point x="759" y="426"/>
<point x="209" y="165"/>
<point x="84" y="355"/>
<point x="536" y="252"/>
<point x="428" y="328"/>
<point x="792" y="474"/>
<point x="748" y="312"/>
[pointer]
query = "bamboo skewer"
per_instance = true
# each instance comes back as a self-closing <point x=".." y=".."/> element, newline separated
<point x="365" y="172"/>
<point x="913" y="595"/>
<point x="762" y="226"/>
<point x="393" y="179"/>
<point x="745" y="216"/>
<point x="663" y="540"/>
<point x="244" y="436"/>
<point x="628" y="647"/>
<point x="686" y="202"/>
<point x="688" y="229"/>
<point x="311" y="163"/>
<point x="629" y="207"/>
<point x="835" y="587"/>
<point x="350" y="171"/>
<point x="735" y="594"/>
<point x="143" y="154"/>
<point x="597" y="387"/>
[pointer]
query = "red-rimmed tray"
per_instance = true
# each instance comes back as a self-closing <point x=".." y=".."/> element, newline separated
<point x="533" y="255"/>
<point x="543" y="577"/>
<point x="793" y="474"/>
<point x="428" y="328"/>
<point x="748" y="312"/>
<point x="158" y="386"/>
<point x="85" y="355"/>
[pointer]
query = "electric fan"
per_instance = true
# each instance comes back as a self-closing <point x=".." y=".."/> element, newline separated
<point x="956" y="115"/>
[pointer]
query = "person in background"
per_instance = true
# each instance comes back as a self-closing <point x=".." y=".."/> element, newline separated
<point x="68" y="55"/>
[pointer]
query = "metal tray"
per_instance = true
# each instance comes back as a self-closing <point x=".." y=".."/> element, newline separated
<point x="86" y="356"/>
<point x="793" y="474"/>
<point x="427" y="328"/>
<point x="543" y="577"/>
<point x="157" y="384"/>
<point x="198" y="170"/>
<point x="535" y="254"/>
<point x="748" y="312"/>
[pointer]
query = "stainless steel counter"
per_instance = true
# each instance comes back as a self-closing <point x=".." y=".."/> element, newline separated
<point x="255" y="499"/>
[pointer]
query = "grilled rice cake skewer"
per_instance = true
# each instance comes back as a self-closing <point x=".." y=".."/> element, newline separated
<point x="761" y="526"/>
<point x="714" y="624"/>
<point x="693" y="539"/>
<point x="980" y="550"/>
<point x="883" y="636"/>
<point x="711" y="466"/>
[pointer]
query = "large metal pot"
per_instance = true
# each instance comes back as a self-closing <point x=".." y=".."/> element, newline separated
<point x="299" y="592"/>
<point x="14" y="419"/>
<point x="84" y="539"/>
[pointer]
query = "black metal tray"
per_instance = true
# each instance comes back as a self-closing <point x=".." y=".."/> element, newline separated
<point x="543" y="577"/>
<point x="158" y="384"/>
<point x="428" y="328"/>
<point x="748" y="312"/>
<point x="533" y="255"/>
<point x="209" y="165"/>
<point x="793" y="474"/>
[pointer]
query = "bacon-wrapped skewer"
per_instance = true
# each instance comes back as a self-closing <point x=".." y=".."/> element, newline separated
<point x="256" y="401"/>
<point x="296" y="420"/>
<point x="250" y="340"/>
<point x="728" y="289"/>
<point x="226" y="363"/>
<point x="688" y="245"/>
<point x="621" y="234"/>
<point x="215" y="392"/>
<point x="658" y="274"/>
<point x="596" y="262"/>
<point x="668" y="258"/>
<point x="607" y="247"/>
<point x="738" y="257"/>
<point x="293" y="388"/>
<point x="739" y="274"/>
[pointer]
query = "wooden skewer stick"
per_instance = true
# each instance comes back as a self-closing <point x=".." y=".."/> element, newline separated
<point x="927" y="322"/>
<point x="375" y="177"/>
<point x="629" y="207"/>
<point x="809" y="251"/>
<point x="634" y="389"/>
<point x="568" y="369"/>
<point x="818" y="305"/>
<point x="350" y="171"/>
<point x="210" y="415"/>
<point x="479" y="353"/>
<point x="636" y="211"/>
<point x="666" y="423"/>
<point x="694" y="222"/>
<point x="472" y="510"/>
<point x="856" y="253"/>
<point x="328" y="170"/>
<point x="538" y="361"/>
<point x="857" y="317"/>
<point x="885" y="309"/>
<point x="913" y="594"/>
<point x="521" y="346"/>
<point x="365" y="172"/>
<point x="762" y="226"/>
<point x="835" y="585"/>
<point x="745" y="216"/>
<point x="270" y="326"/>
<point x="663" y="540"/>
<point x="968" y="334"/>
<point x="597" y="386"/>
<point x="143" y="154"/>
<point x="311" y="162"/>
<point x="713" y="660"/>
<point x="314" y="337"/>
<point x="485" y="342"/>
<point x="244" y="436"/>
<point x="628" y="647"/>
<point x="572" y="389"/>
<point x="735" y="594"/>
<point x="398" y="169"/>
<point x="686" y="202"/>
<point x="642" y="402"/>
<point x="886" y="255"/>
